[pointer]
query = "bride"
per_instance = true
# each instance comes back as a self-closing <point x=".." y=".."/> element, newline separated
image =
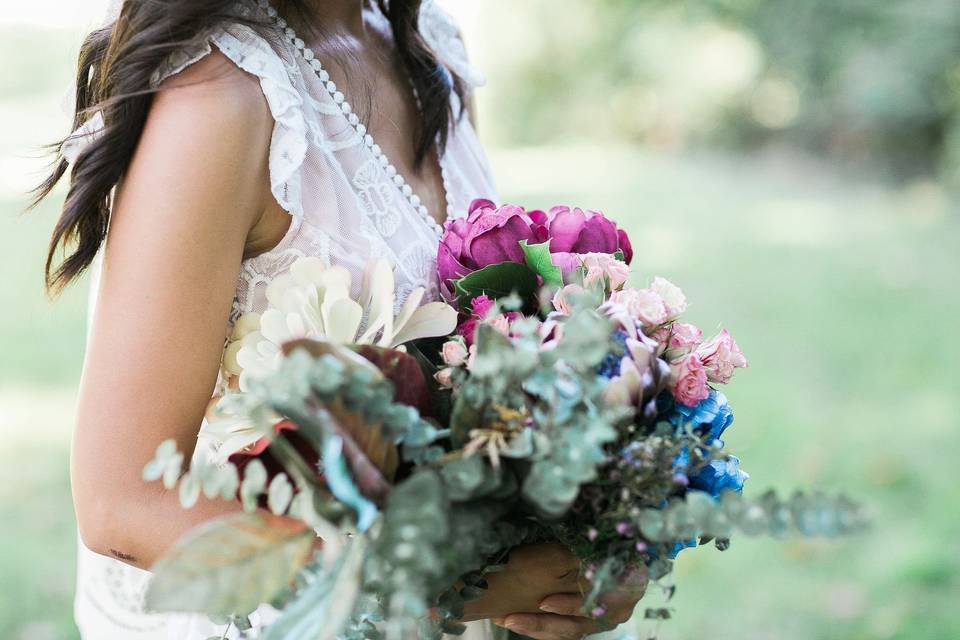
<point x="218" y="141"/>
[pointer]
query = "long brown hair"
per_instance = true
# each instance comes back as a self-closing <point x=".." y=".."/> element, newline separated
<point x="114" y="73"/>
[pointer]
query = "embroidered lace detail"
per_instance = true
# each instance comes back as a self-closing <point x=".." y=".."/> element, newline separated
<point x="376" y="196"/>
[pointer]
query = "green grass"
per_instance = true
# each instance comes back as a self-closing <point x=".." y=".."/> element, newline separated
<point x="844" y="293"/>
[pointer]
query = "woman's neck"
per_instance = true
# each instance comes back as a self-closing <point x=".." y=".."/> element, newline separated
<point x="338" y="14"/>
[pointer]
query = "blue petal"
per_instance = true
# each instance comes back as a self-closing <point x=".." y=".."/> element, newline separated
<point x="341" y="484"/>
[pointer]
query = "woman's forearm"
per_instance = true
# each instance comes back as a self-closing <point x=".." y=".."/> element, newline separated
<point x="139" y="522"/>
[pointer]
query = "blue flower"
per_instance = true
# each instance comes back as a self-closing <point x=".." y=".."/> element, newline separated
<point x="712" y="415"/>
<point x="719" y="476"/>
<point x="680" y="546"/>
<point x="609" y="367"/>
<point x="682" y="461"/>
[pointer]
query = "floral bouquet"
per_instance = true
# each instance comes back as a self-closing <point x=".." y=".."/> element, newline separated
<point x="548" y="401"/>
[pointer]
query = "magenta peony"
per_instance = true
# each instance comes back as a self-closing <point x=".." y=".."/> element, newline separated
<point x="487" y="235"/>
<point x="575" y="231"/>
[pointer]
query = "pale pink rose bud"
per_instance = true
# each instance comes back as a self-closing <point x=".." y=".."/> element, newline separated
<point x="689" y="380"/>
<point x="721" y="356"/>
<point x="473" y="356"/>
<point x="617" y="274"/>
<point x="671" y="294"/>
<point x="594" y="275"/>
<point x="444" y="377"/>
<point x="643" y="304"/>
<point x="604" y="266"/>
<point x="685" y="336"/>
<point x="454" y="353"/>
<point x="563" y="297"/>
<point x="501" y="324"/>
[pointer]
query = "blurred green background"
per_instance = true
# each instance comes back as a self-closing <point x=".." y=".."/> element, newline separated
<point x="790" y="164"/>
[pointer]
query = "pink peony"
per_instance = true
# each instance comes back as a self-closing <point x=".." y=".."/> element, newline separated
<point x="721" y="356"/>
<point x="642" y="304"/>
<point x="577" y="231"/>
<point x="487" y="235"/>
<point x="689" y="380"/>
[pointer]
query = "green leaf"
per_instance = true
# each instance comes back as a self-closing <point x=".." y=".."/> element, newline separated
<point x="619" y="255"/>
<point x="497" y="281"/>
<point x="538" y="258"/>
<point x="463" y="477"/>
<point x="322" y="610"/>
<point x="228" y="566"/>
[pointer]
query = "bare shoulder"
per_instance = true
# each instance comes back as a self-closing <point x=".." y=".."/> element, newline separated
<point x="208" y="135"/>
<point x="214" y="92"/>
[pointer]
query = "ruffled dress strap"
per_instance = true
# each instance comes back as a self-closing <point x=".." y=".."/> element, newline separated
<point x="252" y="53"/>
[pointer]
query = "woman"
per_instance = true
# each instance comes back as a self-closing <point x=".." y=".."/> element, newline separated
<point x="221" y="140"/>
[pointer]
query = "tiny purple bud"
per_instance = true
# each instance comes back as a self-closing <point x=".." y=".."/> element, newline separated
<point x="588" y="574"/>
<point x="681" y="479"/>
<point x="598" y="612"/>
<point x="623" y="528"/>
<point x="592" y="534"/>
<point x="641" y="547"/>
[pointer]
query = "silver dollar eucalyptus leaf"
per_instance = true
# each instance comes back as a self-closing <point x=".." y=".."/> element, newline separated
<point x="228" y="566"/>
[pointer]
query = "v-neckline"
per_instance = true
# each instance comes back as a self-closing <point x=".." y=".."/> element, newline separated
<point x="362" y="130"/>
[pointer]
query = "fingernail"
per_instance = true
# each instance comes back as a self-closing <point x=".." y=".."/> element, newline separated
<point x="549" y="609"/>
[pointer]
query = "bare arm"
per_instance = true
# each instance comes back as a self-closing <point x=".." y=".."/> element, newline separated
<point x="196" y="187"/>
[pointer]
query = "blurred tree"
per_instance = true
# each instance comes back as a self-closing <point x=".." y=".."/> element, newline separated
<point x="869" y="80"/>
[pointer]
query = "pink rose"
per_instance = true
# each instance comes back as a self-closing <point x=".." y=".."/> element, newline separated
<point x="689" y="380"/>
<point x="721" y="356"/>
<point x="603" y="266"/>
<point x="481" y="306"/>
<point x="643" y="304"/>
<point x="671" y="294"/>
<point x="454" y="353"/>
<point x="467" y="329"/>
<point x="444" y="377"/>
<point x="684" y="336"/>
<point x="562" y="298"/>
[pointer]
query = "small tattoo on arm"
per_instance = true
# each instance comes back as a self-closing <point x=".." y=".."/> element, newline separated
<point x="119" y="555"/>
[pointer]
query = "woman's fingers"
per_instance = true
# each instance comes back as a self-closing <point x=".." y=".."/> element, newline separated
<point x="549" y="626"/>
<point x="565" y="604"/>
<point x="618" y="605"/>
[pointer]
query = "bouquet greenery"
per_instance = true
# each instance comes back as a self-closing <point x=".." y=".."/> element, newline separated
<point x="547" y="402"/>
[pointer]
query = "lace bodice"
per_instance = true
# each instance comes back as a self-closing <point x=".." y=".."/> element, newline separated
<point x="345" y="206"/>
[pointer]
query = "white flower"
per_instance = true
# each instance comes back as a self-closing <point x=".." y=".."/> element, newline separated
<point x="672" y="296"/>
<point x="313" y="301"/>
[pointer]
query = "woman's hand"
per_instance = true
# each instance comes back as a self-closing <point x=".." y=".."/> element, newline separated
<point x="540" y="594"/>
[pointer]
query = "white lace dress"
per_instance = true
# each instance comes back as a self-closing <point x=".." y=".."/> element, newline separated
<point x="346" y="207"/>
